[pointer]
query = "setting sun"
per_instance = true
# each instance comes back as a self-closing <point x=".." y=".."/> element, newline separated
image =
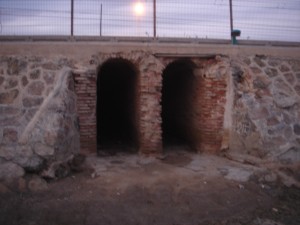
<point x="139" y="9"/>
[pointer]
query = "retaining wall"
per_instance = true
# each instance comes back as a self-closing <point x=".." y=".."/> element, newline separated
<point x="243" y="100"/>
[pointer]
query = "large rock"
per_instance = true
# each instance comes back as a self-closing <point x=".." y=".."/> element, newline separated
<point x="23" y="156"/>
<point x="10" y="170"/>
<point x="50" y="130"/>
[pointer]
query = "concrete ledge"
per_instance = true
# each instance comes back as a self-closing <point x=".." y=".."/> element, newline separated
<point x="82" y="50"/>
<point x="12" y="38"/>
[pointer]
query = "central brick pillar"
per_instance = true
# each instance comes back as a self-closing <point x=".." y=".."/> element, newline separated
<point x="150" y="108"/>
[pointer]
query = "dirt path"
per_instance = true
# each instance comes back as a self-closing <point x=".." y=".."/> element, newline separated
<point x="182" y="189"/>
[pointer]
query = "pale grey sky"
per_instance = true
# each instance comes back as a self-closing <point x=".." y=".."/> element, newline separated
<point x="257" y="19"/>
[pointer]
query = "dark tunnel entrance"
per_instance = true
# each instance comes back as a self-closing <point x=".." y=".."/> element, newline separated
<point x="178" y="94"/>
<point x="117" y="106"/>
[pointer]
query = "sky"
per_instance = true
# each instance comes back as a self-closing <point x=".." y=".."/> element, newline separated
<point x="272" y="20"/>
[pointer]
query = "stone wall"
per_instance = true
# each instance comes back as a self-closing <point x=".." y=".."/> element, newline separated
<point x="38" y="118"/>
<point x="246" y="105"/>
<point x="266" y="110"/>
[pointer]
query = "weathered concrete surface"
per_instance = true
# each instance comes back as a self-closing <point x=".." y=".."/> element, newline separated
<point x="83" y="50"/>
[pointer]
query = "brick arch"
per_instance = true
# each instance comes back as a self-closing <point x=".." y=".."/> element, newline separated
<point x="149" y="96"/>
<point x="148" y="93"/>
<point x="178" y="108"/>
<point x="211" y="79"/>
<point x="205" y="106"/>
<point x="117" y="106"/>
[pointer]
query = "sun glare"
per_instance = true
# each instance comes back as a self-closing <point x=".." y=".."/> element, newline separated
<point x="139" y="9"/>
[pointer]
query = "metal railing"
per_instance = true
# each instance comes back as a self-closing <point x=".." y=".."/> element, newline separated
<point x="145" y="20"/>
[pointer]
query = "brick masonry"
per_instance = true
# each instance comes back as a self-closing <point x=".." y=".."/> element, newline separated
<point x="208" y="102"/>
<point x="86" y="90"/>
<point x="209" y="99"/>
<point x="248" y="105"/>
<point x="149" y="71"/>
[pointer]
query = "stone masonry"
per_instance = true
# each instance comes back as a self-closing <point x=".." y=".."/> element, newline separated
<point x="38" y="118"/>
<point x="266" y="111"/>
<point x="247" y="105"/>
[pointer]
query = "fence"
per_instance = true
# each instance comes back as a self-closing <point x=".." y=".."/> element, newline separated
<point x="276" y="20"/>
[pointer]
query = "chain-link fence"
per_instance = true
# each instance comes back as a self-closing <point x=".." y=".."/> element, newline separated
<point x="276" y="20"/>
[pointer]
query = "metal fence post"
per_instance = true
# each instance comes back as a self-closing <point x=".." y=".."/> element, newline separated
<point x="72" y="18"/>
<point x="231" y="17"/>
<point x="154" y="19"/>
<point x="101" y="20"/>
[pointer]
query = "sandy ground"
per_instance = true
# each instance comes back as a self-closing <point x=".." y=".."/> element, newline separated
<point x="179" y="189"/>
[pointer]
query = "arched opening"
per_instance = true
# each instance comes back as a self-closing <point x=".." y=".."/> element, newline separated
<point x="117" y="106"/>
<point x="178" y="95"/>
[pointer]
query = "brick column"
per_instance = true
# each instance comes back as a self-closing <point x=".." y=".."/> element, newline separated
<point x="86" y="90"/>
<point x="150" y="108"/>
<point x="211" y="100"/>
